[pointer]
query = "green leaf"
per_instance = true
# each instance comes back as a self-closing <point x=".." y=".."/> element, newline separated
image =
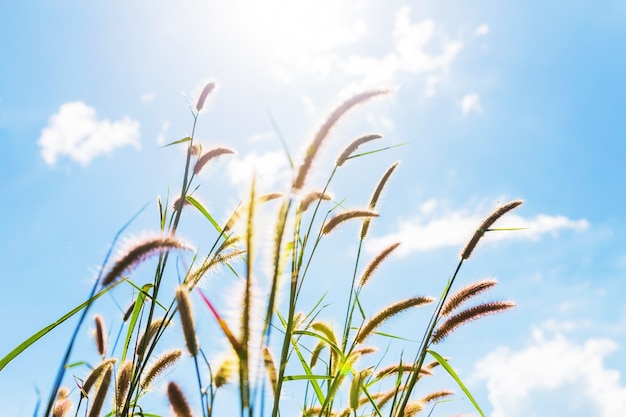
<point x="376" y="150"/>
<point x="183" y="140"/>
<point x="305" y="377"/>
<point x="454" y="376"/>
<point x="202" y="210"/>
<point x="143" y="292"/>
<point x="41" y="333"/>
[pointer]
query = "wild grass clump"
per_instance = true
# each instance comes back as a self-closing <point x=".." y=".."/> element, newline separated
<point x="337" y="369"/>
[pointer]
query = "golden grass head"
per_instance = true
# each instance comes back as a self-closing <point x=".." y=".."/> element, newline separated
<point x="147" y="336"/>
<point x="486" y="224"/>
<point x="465" y="294"/>
<point x="323" y="132"/>
<point x="353" y="146"/>
<point x="124" y="377"/>
<point x="209" y="155"/>
<point x="225" y="372"/>
<point x="95" y="374"/>
<point x="373" y="265"/>
<point x="468" y="315"/>
<point x="376" y="196"/>
<point x="179" y="404"/>
<point x="62" y="405"/>
<point x="342" y="217"/>
<point x="101" y="393"/>
<point x="140" y="252"/>
<point x="311" y="198"/>
<point x="373" y="323"/>
<point x="186" y="319"/>
<point x="210" y="86"/>
<point x="161" y="364"/>
<point x="99" y="335"/>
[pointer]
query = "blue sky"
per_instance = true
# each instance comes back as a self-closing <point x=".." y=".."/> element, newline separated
<point x="496" y="101"/>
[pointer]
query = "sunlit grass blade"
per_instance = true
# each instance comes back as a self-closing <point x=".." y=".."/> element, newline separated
<point x="41" y="333"/>
<point x="220" y="321"/>
<point x="358" y="155"/>
<point x="306" y="377"/>
<point x="444" y="363"/>
<point x="204" y="211"/>
<point x="176" y="142"/>
<point x="143" y="292"/>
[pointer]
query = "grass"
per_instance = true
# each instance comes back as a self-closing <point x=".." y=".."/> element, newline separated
<point x="338" y="372"/>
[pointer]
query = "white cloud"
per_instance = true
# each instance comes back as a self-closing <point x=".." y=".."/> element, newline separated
<point x="553" y="372"/>
<point x="412" y="43"/>
<point x="270" y="168"/>
<point x="165" y="126"/>
<point x="76" y="132"/>
<point x="147" y="97"/>
<point x="482" y="30"/>
<point x="428" y="231"/>
<point x="471" y="103"/>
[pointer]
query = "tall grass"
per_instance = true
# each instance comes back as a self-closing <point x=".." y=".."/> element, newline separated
<point x="337" y="371"/>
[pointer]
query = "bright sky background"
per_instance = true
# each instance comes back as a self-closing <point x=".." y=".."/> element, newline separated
<point x="497" y="100"/>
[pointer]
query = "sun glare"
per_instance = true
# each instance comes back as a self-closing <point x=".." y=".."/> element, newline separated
<point x="282" y="29"/>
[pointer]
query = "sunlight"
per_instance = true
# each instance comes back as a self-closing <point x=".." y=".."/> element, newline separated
<point x="285" y="30"/>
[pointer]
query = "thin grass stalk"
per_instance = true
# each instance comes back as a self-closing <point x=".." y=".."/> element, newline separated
<point x="244" y="366"/>
<point x="160" y="268"/>
<point x="68" y="351"/>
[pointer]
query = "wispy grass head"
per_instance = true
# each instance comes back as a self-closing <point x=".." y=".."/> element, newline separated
<point x="373" y="323"/>
<point x="486" y="224"/>
<point x="340" y="218"/>
<point x="465" y="294"/>
<point x="140" y="252"/>
<point x="99" y="335"/>
<point x="209" y="155"/>
<point x="203" y="96"/>
<point x="468" y="315"/>
<point x="376" y="196"/>
<point x="322" y="133"/>
<point x="179" y="403"/>
<point x="353" y="146"/>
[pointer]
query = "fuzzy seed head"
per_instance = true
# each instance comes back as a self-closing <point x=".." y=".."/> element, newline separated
<point x="311" y="198"/>
<point x="486" y="224"/>
<point x="465" y="294"/>
<point x="323" y="132"/>
<point x="161" y="364"/>
<point x="186" y="318"/>
<point x="99" y="335"/>
<point x="468" y="315"/>
<point x="203" y="96"/>
<point x="373" y="265"/>
<point x="352" y="147"/>
<point x="178" y="401"/>
<point x="370" y="326"/>
<point x="140" y="252"/>
<point x="376" y="196"/>
<point x="340" y="218"/>
<point x="123" y="384"/>
<point x="210" y="154"/>
<point x="98" y="400"/>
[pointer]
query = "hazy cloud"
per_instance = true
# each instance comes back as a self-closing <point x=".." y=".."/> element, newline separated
<point x="572" y="375"/>
<point x="76" y="132"/>
<point x="482" y="30"/>
<point x="147" y="97"/>
<point x="165" y="126"/>
<point x="271" y="169"/>
<point x="435" y="227"/>
<point x="471" y="103"/>
<point x="413" y="43"/>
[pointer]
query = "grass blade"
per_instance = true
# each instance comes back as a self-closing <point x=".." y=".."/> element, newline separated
<point x="41" y="333"/>
<point x="454" y="376"/>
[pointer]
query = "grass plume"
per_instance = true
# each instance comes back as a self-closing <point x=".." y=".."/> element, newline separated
<point x="139" y="253"/>
<point x="486" y="224"/>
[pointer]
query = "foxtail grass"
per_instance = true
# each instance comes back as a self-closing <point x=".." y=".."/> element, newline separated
<point x="339" y="367"/>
